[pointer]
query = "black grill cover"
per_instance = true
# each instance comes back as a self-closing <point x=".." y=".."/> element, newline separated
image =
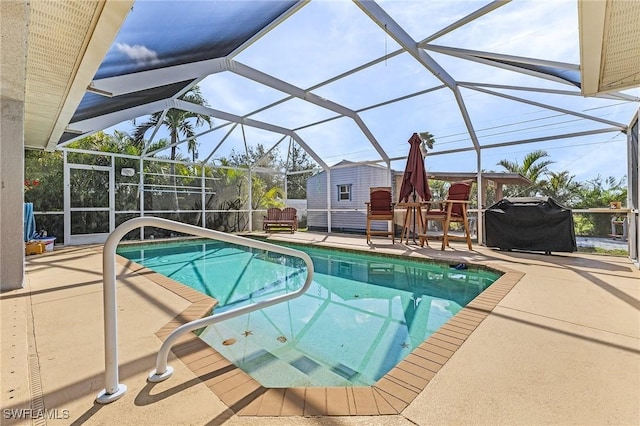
<point x="536" y="224"/>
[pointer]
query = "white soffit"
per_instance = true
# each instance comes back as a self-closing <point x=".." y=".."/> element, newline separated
<point x="67" y="42"/>
<point x="609" y="45"/>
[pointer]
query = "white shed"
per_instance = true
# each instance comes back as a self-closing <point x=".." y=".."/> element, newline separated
<point x="349" y="183"/>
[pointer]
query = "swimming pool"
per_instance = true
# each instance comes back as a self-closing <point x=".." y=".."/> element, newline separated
<point x="362" y="315"/>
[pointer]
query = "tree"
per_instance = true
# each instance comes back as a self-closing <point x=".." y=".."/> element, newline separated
<point x="298" y="160"/>
<point x="254" y="154"/>
<point x="599" y="192"/>
<point x="561" y="187"/>
<point x="231" y="193"/>
<point x="43" y="172"/>
<point x="438" y="189"/>
<point x="179" y="123"/>
<point x="266" y="188"/>
<point x="532" y="168"/>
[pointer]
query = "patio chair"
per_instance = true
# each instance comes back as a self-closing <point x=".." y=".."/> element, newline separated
<point x="451" y="210"/>
<point x="380" y="208"/>
<point x="276" y="219"/>
<point x="289" y="217"/>
<point x="271" y="219"/>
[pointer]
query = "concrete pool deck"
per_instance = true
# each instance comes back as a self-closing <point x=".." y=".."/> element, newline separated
<point x="561" y="347"/>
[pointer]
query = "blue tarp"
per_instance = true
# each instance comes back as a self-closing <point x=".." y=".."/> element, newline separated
<point x="29" y="222"/>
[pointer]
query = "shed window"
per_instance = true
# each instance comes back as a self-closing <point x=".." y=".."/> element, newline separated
<point x="344" y="192"/>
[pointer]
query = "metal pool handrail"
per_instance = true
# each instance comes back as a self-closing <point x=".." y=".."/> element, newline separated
<point x="114" y="390"/>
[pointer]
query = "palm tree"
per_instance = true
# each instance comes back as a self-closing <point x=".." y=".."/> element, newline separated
<point x="179" y="123"/>
<point x="426" y="142"/>
<point x="531" y="168"/>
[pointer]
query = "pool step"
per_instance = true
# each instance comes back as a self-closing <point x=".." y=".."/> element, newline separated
<point x="281" y="366"/>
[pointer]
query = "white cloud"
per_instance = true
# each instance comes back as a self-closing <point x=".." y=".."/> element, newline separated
<point x="141" y="54"/>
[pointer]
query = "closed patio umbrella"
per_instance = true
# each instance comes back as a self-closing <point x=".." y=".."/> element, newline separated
<point x="414" y="180"/>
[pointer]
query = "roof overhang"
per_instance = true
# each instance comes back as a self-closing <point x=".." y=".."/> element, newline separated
<point x="609" y="45"/>
<point x="66" y="45"/>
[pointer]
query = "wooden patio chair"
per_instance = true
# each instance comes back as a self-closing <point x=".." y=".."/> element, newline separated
<point x="276" y="219"/>
<point x="380" y="208"/>
<point x="271" y="219"/>
<point x="289" y="217"/>
<point x="451" y="210"/>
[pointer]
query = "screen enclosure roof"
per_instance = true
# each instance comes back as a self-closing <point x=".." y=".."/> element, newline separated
<point x="343" y="80"/>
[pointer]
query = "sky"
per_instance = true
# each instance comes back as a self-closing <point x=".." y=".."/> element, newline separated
<point x="326" y="38"/>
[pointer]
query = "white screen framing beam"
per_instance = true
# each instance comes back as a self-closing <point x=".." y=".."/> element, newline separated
<point x="620" y="126"/>
<point x="224" y="138"/>
<point x="199" y="109"/>
<point x="512" y="143"/>
<point x="210" y="130"/>
<point x="270" y="81"/>
<point x="471" y="54"/>
<point x="494" y="60"/>
<point x="143" y="80"/>
<point x="532" y="140"/>
<point x="95" y="124"/>
<point x="465" y="20"/>
<point x="155" y="132"/>
<point x="391" y="27"/>
<point x="92" y="125"/>
<point x="266" y="154"/>
<point x="614" y="96"/>
<point x="384" y="21"/>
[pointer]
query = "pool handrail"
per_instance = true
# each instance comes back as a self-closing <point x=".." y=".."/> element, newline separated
<point x="114" y="390"/>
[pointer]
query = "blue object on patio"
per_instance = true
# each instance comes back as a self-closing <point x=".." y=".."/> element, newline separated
<point x="29" y="222"/>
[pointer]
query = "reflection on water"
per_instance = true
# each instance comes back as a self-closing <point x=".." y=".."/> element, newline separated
<point x="361" y="316"/>
<point x="340" y="333"/>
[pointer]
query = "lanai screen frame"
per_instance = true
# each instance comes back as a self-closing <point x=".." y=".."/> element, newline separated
<point x="169" y="83"/>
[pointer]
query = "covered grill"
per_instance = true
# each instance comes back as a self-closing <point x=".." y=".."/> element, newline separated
<point x="535" y="224"/>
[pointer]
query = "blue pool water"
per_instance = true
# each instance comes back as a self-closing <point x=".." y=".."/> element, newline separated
<point x="361" y="316"/>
